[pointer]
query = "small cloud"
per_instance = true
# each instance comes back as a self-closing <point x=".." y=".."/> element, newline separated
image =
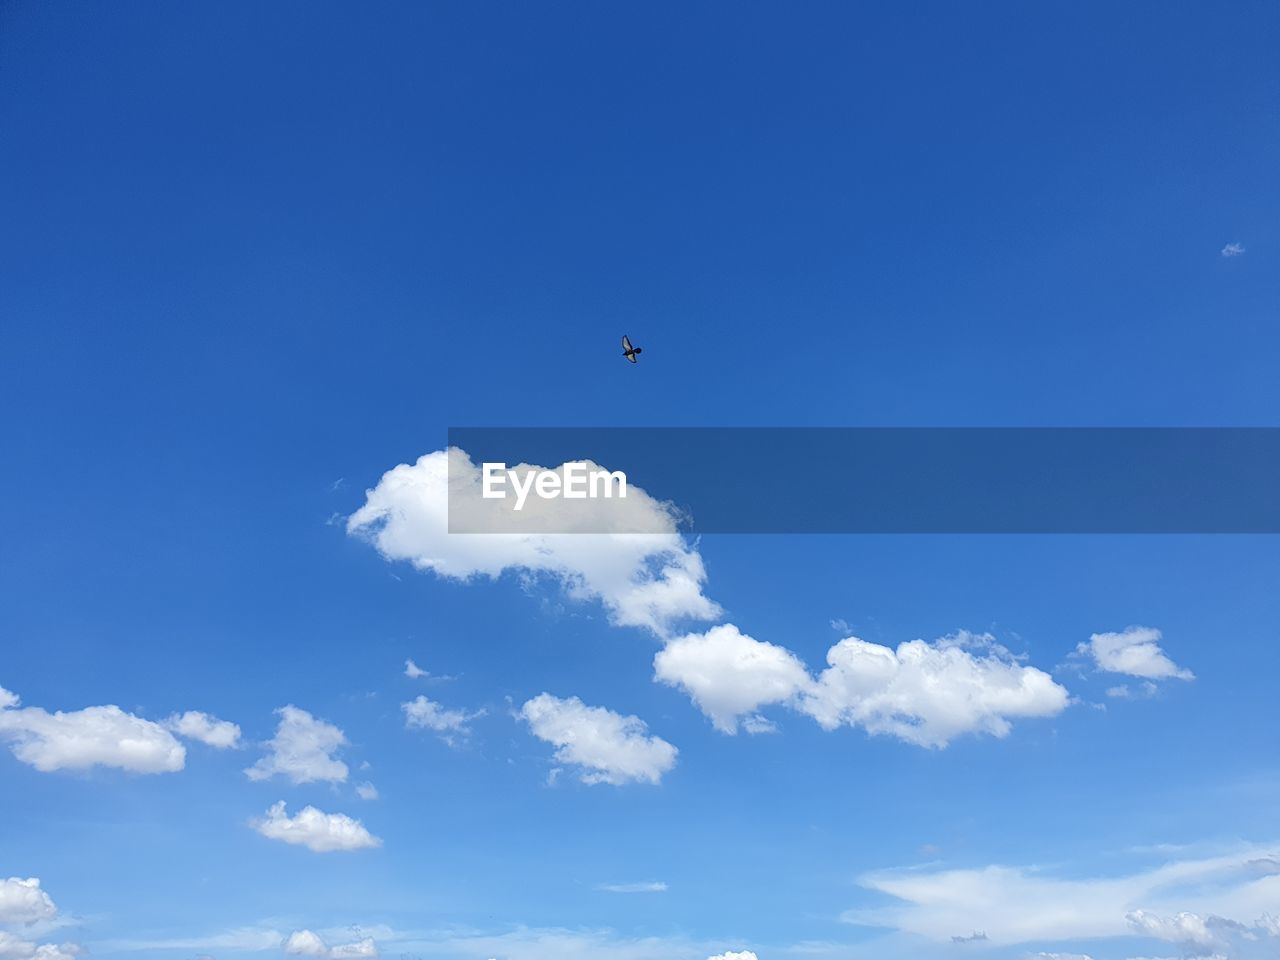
<point x="1233" y="250"/>
<point x="315" y="830"/>
<point x="413" y="671"/>
<point x="452" y="726"/>
<point x="971" y="938"/>
<point x="366" y="791"/>
<point x="194" y="725"/>
<point x="756" y="724"/>
<point x="841" y="626"/>
<point x="1125" y="692"/>
<point x="652" y="886"/>
<point x="1134" y="651"/>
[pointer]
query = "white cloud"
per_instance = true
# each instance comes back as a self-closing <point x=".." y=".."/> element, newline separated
<point x="729" y="674"/>
<point x="13" y="947"/>
<point x="1188" y="930"/>
<point x="735" y="955"/>
<point x="1134" y="651"/>
<point x="413" y="671"/>
<point x="22" y="902"/>
<point x="756" y="725"/>
<point x="924" y="693"/>
<point x="194" y="725"/>
<point x="607" y="747"/>
<point x="1125" y="692"/>
<point x="425" y="714"/>
<point x="1026" y="904"/>
<point x="318" y="831"/>
<point x="303" y="750"/>
<point x="366" y="791"/>
<point x="1233" y="250"/>
<point x="304" y="943"/>
<point x="95" y="736"/>
<point x="930" y="693"/>
<point x="651" y="886"/>
<point x="650" y="580"/>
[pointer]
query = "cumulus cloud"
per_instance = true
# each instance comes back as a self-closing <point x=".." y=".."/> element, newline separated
<point x="366" y="791"/>
<point x="13" y="947"/>
<point x="1188" y="930"/>
<point x="194" y="725"/>
<point x="1134" y="651"/>
<point x="315" y="830"/>
<point x="1233" y="250"/>
<point x="930" y="693"/>
<point x="1182" y="901"/>
<point x="23" y="903"/>
<point x="413" y="671"/>
<point x="606" y="747"/>
<point x="304" y="943"/>
<point x="729" y="674"/>
<point x="924" y="693"/>
<point x="649" y="580"/>
<point x="95" y="736"/>
<point x="303" y="750"/>
<point x="735" y="955"/>
<point x="450" y="725"/>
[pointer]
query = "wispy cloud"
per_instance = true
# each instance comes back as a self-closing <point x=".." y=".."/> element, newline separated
<point x="651" y="886"/>
<point x="1233" y="250"/>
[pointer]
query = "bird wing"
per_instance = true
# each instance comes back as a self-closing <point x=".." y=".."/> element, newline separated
<point x="631" y="355"/>
<point x="626" y="343"/>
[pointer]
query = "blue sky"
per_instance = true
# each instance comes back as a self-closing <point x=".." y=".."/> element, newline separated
<point x="256" y="256"/>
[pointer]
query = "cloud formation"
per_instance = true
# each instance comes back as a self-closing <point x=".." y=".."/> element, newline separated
<point x="1184" y="902"/>
<point x="23" y="903"/>
<point x="924" y="693"/>
<point x="304" y="943"/>
<point x="194" y="725"/>
<point x="303" y="750"/>
<point x="930" y="693"/>
<point x="643" y="580"/>
<point x="604" y="746"/>
<point x="315" y="830"/>
<point x="1233" y="250"/>
<point x="1135" y="651"/>
<point x="651" y="886"/>
<point x="451" y="725"/>
<point x="93" y="737"/>
<point x="729" y="674"/>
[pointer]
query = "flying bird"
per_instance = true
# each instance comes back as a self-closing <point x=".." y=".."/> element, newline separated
<point x="628" y="350"/>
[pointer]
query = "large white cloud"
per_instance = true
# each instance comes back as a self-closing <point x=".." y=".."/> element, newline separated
<point x="22" y="902"/>
<point x="95" y="736"/>
<point x="926" y="693"/>
<point x="194" y="725"/>
<point x="730" y="675"/>
<point x="930" y="693"/>
<point x="1182" y="901"/>
<point x="303" y="750"/>
<point x="650" y="580"/>
<point x="315" y="830"/>
<point x="304" y="943"/>
<point x="606" y="747"/>
<point x="1134" y="651"/>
